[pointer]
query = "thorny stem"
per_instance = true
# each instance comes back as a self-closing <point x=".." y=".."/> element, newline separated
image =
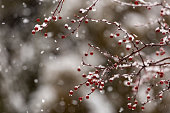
<point x="167" y="58"/>
<point x="140" y="5"/>
<point x="157" y="96"/>
<point x="147" y="45"/>
<point x="139" y="81"/>
<point x="139" y="53"/>
<point x="83" y="18"/>
<point x="58" y="7"/>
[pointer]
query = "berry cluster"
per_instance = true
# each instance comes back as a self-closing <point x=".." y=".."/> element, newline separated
<point x="144" y="69"/>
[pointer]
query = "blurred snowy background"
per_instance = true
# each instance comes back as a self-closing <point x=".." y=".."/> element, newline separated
<point x="36" y="73"/>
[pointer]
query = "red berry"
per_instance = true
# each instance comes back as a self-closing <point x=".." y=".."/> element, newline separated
<point x="87" y="96"/>
<point x="89" y="80"/>
<point x="166" y="82"/>
<point x="136" y="102"/>
<point x="162" y="53"/>
<point x="136" y="87"/>
<point x="96" y="84"/>
<point x="60" y="17"/>
<point x="161" y="74"/>
<point x="96" y="72"/>
<point x="160" y="96"/>
<point x="110" y="79"/>
<point x="78" y="69"/>
<point x="54" y="17"/>
<point x="86" y="54"/>
<point x="91" y="53"/>
<point x="128" y="83"/>
<point x="66" y="26"/>
<point x="117" y="34"/>
<point x="149" y="89"/>
<point x="99" y="82"/>
<point x="127" y="48"/>
<point x="161" y="82"/>
<point x="129" y="98"/>
<point x="71" y="92"/>
<point x="115" y="65"/>
<point x="63" y="36"/>
<point x="111" y="35"/>
<point x="137" y="41"/>
<point x="142" y="107"/>
<point x="75" y="88"/>
<point x="87" y="84"/>
<point x="38" y="20"/>
<point x="45" y="34"/>
<point x="80" y="98"/>
<point x="86" y="21"/>
<point x="161" y="42"/>
<point x="158" y="30"/>
<point x="84" y="75"/>
<point x="90" y="8"/>
<point x="157" y="53"/>
<point x="33" y="32"/>
<point x="148" y="97"/>
<point x="133" y="107"/>
<point x="102" y="84"/>
<point x="92" y="89"/>
<point x="130" y="58"/>
<point x="129" y="106"/>
<point x="73" y="21"/>
<point x="119" y="43"/>
<point x="101" y="89"/>
<point x="94" y="77"/>
<point x="136" y="2"/>
<point x="45" y="20"/>
<point x="124" y="40"/>
<point x="36" y="28"/>
<point x="130" y="38"/>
